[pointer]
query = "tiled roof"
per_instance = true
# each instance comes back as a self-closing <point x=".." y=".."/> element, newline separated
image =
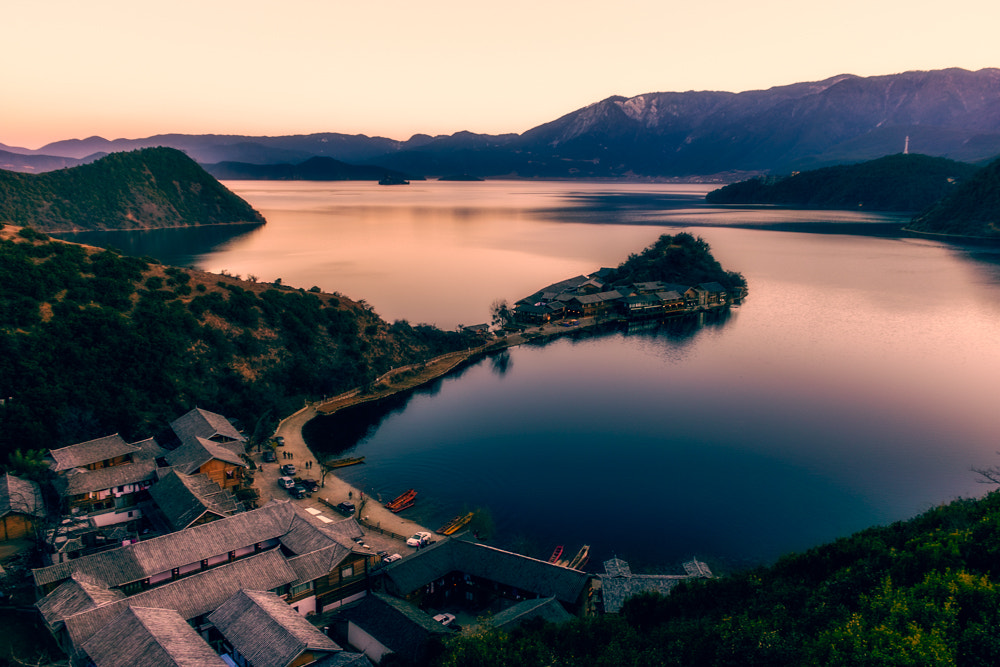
<point x="266" y="631"/>
<point x="459" y="555"/>
<point x="78" y="594"/>
<point x="92" y="451"/>
<point x="397" y="625"/>
<point x="200" y="423"/>
<point x="184" y="498"/>
<point x="618" y="583"/>
<point x="190" y="596"/>
<point x="298" y="531"/>
<point x="20" y="496"/>
<point x="145" y="637"/>
<point x="545" y="608"/>
<point x="196" y="452"/>
<point x="85" y="481"/>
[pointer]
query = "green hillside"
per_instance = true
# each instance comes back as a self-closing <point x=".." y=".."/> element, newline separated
<point x="893" y="183"/>
<point x="972" y="210"/>
<point x="152" y="187"/>
<point x="92" y="343"/>
<point x="921" y="592"/>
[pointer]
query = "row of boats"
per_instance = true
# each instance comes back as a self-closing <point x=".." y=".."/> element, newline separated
<point x="409" y="498"/>
<point x="576" y="563"/>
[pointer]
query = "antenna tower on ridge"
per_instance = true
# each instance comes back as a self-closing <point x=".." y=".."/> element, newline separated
<point x="906" y="146"/>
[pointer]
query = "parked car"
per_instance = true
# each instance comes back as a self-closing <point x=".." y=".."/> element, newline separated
<point x="310" y="484"/>
<point x="419" y="539"/>
<point x="297" y="491"/>
<point x="270" y="456"/>
<point x="286" y="482"/>
<point x="392" y="559"/>
<point x="288" y="469"/>
<point x="279" y="441"/>
<point x="445" y="619"/>
<point x="346" y="508"/>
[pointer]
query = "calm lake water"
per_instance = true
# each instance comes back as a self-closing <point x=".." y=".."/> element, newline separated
<point x="855" y="386"/>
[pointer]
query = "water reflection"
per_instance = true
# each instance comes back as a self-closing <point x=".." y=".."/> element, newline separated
<point x="182" y="246"/>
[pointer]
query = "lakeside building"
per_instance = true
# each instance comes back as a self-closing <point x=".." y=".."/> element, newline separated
<point x="589" y="296"/>
<point x="106" y="479"/>
<point x="280" y="548"/>
<point x="21" y="508"/>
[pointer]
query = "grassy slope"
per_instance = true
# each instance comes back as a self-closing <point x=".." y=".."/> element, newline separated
<point x="93" y="343"/>
<point x="152" y="187"/>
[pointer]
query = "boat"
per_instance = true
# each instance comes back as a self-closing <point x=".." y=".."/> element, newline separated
<point x="388" y="179"/>
<point x="402" y="502"/>
<point x="581" y="558"/>
<point x="340" y="463"/>
<point x="554" y="558"/>
<point x="455" y="524"/>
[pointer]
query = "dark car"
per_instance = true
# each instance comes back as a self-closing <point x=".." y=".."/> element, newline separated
<point x="270" y="456"/>
<point x="279" y="441"/>
<point x="288" y="469"/>
<point x="298" y="491"/>
<point x="310" y="484"/>
<point x="346" y="508"/>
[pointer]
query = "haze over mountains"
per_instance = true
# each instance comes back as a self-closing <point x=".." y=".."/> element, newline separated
<point x="951" y="113"/>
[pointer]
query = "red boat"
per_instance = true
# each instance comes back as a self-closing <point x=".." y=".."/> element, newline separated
<point x="556" y="554"/>
<point x="402" y="502"/>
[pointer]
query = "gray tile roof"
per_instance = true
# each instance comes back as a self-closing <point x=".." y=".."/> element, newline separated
<point x="20" y="496"/>
<point x="266" y="631"/>
<point x="183" y="499"/>
<point x="145" y="637"/>
<point x="92" y="451"/>
<point x="712" y="287"/>
<point x="85" y="481"/>
<point x="297" y="530"/>
<point x="397" y="625"/>
<point x="618" y="583"/>
<point x="200" y="423"/>
<point x="548" y="609"/>
<point x="191" y="596"/>
<point x="196" y="452"/>
<point x="460" y="555"/>
<point x="76" y="595"/>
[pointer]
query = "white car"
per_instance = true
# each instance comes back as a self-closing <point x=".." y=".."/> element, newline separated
<point x="445" y="619"/>
<point x="419" y="539"/>
<point x="286" y="482"/>
<point x="392" y="558"/>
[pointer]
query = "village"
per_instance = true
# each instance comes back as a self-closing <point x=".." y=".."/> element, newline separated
<point x="202" y="547"/>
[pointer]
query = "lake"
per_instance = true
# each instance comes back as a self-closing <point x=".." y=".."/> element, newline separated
<point x="855" y="386"/>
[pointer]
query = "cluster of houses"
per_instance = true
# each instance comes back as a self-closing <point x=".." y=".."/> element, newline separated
<point x="157" y="562"/>
<point x="590" y="296"/>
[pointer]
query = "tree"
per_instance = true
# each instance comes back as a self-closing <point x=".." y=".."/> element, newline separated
<point x="501" y="313"/>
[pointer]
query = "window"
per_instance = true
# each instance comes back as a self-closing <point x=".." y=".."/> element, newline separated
<point x="300" y="589"/>
<point x="347" y="572"/>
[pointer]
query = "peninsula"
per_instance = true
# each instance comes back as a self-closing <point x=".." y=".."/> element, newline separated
<point x="142" y="189"/>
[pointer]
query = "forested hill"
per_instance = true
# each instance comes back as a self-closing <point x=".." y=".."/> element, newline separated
<point x="906" y="183"/>
<point x="94" y="343"/>
<point x="151" y="187"/>
<point x="972" y="210"/>
<point x="922" y="592"/>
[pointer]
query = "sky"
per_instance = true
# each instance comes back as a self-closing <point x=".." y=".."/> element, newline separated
<point x="131" y="69"/>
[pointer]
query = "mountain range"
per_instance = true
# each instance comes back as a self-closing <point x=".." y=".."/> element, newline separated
<point x="952" y="113"/>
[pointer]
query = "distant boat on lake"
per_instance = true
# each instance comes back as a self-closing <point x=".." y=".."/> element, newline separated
<point x="389" y="179"/>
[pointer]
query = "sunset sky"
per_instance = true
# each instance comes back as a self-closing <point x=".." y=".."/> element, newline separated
<point x="132" y="69"/>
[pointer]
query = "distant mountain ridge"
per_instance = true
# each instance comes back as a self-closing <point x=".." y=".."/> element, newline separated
<point x="952" y="113"/>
